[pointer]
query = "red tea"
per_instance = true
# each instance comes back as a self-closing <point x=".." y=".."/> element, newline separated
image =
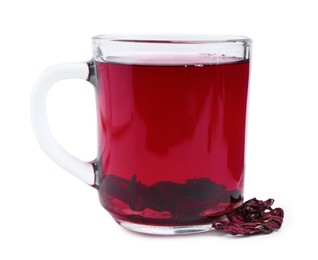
<point x="171" y="138"/>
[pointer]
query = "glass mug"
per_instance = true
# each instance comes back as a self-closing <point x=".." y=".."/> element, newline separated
<point x="171" y="114"/>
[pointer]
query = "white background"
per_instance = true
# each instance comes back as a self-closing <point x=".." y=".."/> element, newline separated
<point x="45" y="213"/>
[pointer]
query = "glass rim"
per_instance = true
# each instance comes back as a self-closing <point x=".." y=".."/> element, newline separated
<point x="172" y="38"/>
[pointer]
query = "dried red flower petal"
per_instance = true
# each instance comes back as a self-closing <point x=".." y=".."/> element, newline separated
<point x="252" y="217"/>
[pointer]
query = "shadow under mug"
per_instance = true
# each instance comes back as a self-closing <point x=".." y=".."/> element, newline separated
<point x="171" y="114"/>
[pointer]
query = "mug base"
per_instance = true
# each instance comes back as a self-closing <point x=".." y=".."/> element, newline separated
<point x="165" y="230"/>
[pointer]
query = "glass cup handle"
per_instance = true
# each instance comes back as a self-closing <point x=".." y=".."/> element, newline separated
<point x="83" y="170"/>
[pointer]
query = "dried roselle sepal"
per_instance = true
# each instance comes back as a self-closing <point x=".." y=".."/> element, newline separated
<point x="252" y="217"/>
